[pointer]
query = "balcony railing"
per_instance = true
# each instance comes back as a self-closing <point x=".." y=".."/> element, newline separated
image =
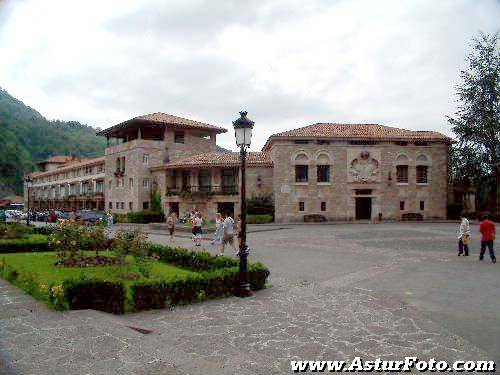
<point x="200" y="190"/>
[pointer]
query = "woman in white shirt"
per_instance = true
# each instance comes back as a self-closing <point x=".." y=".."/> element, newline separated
<point x="463" y="236"/>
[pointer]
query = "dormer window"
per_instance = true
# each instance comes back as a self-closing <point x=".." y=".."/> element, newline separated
<point x="179" y="137"/>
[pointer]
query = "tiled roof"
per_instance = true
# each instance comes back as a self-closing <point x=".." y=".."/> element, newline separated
<point x="69" y="166"/>
<point x="359" y="131"/>
<point x="13" y="199"/>
<point x="58" y="159"/>
<point x="160" y="118"/>
<point x="220" y="159"/>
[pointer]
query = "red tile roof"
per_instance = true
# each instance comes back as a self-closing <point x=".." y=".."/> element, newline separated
<point x="160" y="118"/>
<point x="69" y="166"/>
<point x="358" y="131"/>
<point x="219" y="159"/>
<point x="57" y="159"/>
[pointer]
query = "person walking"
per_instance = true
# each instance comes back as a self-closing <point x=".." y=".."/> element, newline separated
<point x="219" y="229"/>
<point x="109" y="218"/>
<point x="192" y="216"/>
<point x="463" y="236"/>
<point x="228" y="233"/>
<point x="487" y="229"/>
<point x="197" y="229"/>
<point x="171" y="225"/>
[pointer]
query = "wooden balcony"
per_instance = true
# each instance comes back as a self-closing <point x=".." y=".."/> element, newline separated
<point x="200" y="191"/>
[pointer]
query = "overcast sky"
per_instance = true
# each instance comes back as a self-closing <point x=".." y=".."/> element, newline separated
<point x="288" y="63"/>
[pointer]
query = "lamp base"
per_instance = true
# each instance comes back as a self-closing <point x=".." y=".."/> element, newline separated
<point x="244" y="290"/>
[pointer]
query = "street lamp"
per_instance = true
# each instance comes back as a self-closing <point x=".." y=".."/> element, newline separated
<point x="27" y="182"/>
<point x="243" y="133"/>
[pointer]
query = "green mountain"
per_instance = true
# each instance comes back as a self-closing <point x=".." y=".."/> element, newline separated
<point x="27" y="137"/>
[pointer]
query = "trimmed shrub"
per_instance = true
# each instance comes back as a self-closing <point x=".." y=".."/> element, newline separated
<point x="47" y="230"/>
<point x="145" y="217"/>
<point x="95" y="294"/>
<point x="33" y="243"/>
<point x="260" y="205"/>
<point x="259" y="219"/>
<point x="215" y="284"/>
<point x="15" y="230"/>
<point x="193" y="260"/>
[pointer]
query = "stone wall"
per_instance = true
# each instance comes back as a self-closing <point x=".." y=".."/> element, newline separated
<point x="340" y="194"/>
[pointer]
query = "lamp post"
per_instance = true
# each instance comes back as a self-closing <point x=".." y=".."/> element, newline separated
<point x="243" y="133"/>
<point x="27" y="182"/>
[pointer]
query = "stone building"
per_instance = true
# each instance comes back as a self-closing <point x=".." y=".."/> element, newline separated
<point x="67" y="184"/>
<point x="339" y="171"/>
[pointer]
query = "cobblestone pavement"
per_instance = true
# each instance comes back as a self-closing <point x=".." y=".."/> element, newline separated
<point x="337" y="291"/>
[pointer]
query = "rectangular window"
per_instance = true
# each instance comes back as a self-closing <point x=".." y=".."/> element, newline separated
<point x="323" y="206"/>
<point x="302" y="141"/>
<point x="422" y="205"/>
<point x="131" y="182"/>
<point x="301" y="206"/>
<point x="402" y="205"/>
<point x="179" y="137"/>
<point x="323" y="173"/>
<point x="117" y="205"/>
<point x="110" y="205"/>
<point x="118" y="164"/>
<point x="301" y="173"/>
<point x="322" y="142"/>
<point x="402" y="174"/>
<point x="145" y="205"/>
<point x="145" y="183"/>
<point x="123" y="163"/>
<point x="145" y="158"/>
<point x="122" y="205"/>
<point x="130" y="206"/>
<point x="422" y="174"/>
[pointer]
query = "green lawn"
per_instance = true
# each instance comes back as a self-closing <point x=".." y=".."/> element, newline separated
<point x="207" y="226"/>
<point x="41" y="267"/>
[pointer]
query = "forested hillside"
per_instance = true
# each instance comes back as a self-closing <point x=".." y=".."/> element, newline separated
<point x="27" y="137"/>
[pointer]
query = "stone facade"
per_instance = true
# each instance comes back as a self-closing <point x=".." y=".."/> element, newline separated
<point x="351" y="178"/>
<point x="74" y="185"/>
<point x="338" y="171"/>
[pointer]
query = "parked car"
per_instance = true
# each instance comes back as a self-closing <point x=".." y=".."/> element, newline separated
<point x="90" y="216"/>
<point x="41" y="216"/>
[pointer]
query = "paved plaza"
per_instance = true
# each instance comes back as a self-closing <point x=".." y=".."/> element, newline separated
<point x="336" y="291"/>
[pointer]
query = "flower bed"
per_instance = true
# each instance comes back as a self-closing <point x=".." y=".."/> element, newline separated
<point x="111" y="289"/>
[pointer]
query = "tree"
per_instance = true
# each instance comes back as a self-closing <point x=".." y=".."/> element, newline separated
<point x="477" y="120"/>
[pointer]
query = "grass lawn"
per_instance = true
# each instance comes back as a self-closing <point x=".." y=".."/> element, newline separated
<point x="207" y="227"/>
<point x="41" y="267"/>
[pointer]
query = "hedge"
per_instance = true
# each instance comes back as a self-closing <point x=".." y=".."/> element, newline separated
<point x="32" y="243"/>
<point x="95" y="294"/>
<point x="214" y="284"/>
<point x="193" y="260"/>
<point x="46" y="230"/>
<point x="142" y="217"/>
<point x="259" y="219"/>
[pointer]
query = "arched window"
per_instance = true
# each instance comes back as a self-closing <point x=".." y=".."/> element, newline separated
<point x="422" y="169"/>
<point x="323" y="168"/>
<point x="402" y="169"/>
<point x="301" y="162"/>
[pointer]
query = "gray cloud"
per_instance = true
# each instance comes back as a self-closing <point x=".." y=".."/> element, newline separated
<point x="289" y="63"/>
